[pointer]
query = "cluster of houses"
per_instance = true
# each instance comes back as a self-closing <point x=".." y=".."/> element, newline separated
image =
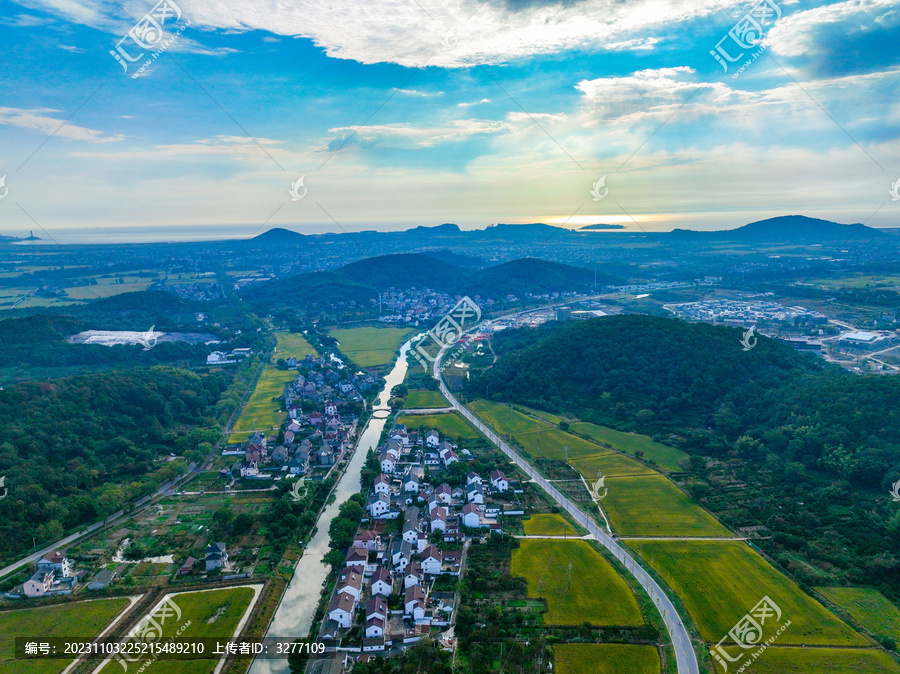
<point x="227" y="358"/>
<point x="398" y="568"/>
<point x="320" y="379"/>
<point x="54" y="576"/>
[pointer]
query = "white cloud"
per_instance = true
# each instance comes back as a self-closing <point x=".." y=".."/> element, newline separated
<point x="397" y="31"/>
<point x="40" y="121"/>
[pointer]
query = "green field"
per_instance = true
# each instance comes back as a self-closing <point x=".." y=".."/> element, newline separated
<point x="546" y="416"/>
<point x="653" y="506"/>
<point x="368" y="347"/>
<point x="605" y="659"/>
<point x="548" y="524"/>
<point x="504" y="420"/>
<point x="822" y="661"/>
<point x="450" y="424"/>
<point x="665" y="457"/>
<point x="424" y="399"/>
<point x="720" y="581"/>
<point x="78" y="619"/>
<point x="869" y="608"/>
<point x="292" y="344"/>
<point x="610" y="464"/>
<point x="261" y="413"/>
<point x="577" y="582"/>
<point x="213" y="613"/>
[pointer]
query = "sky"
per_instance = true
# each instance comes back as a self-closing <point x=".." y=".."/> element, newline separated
<point x="390" y="114"/>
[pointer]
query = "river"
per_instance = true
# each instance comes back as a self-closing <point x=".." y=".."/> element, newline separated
<point x="294" y="615"/>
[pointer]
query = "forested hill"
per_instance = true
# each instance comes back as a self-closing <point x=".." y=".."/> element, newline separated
<point x="73" y="450"/>
<point x="784" y="446"/>
<point x="696" y="382"/>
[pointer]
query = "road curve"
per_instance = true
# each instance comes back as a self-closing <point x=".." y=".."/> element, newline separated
<point x="685" y="656"/>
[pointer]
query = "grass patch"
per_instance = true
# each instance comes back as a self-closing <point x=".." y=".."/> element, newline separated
<point x="611" y="464"/>
<point x="450" y="424"/>
<point x="577" y="582"/>
<point x="664" y="456"/>
<point x="424" y="399"/>
<point x="504" y="420"/>
<point x="653" y="506"/>
<point x="823" y="661"/>
<point x="215" y="613"/>
<point x="546" y="416"/>
<point x="368" y="347"/>
<point x="719" y="582"/>
<point x="868" y="607"/>
<point x="605" y="659"/>
<point x="548" y="524"/>
<point x="261" y="413"/>
<point x="78" y="619"/>
<point x="293" y="344"/>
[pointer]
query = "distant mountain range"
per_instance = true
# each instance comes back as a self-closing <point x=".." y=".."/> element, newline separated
<point x="798" y="229"/>
<point x="363" y="280"/>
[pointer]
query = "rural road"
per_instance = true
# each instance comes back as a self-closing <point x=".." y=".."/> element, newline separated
<point x="685" y="656"/>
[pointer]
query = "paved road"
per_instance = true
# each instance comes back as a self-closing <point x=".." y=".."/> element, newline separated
<point x="685" y="656"/>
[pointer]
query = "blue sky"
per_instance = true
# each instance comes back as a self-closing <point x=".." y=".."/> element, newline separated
<point x="411" y="112"/>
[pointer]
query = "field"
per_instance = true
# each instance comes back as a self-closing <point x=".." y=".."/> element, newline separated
<point x="261" y="413"/>
<point x="368" y="347"/>
<point x="450" y="424"/>
<point x="823" y="661"/>
<point x="546" y="416"/>
<point x="424" y="399"/>
<point x="611" y="464"/>
<point x="719" y="582"/>
<point x="214" y="613"/>
<point x="548" y="525"/>
<point x="504" y="420"/>
<point x="653" y="506"/>
<point x="577" y="582"/>
<point x="292" y="344"/>
<point x="77" y="619"/>
<point x="664" y="456"/>
<point x="605" y="659"/>
<point x="869" y="608"/>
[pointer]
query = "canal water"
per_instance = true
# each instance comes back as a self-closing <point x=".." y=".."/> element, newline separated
<point x="294" y="615"/>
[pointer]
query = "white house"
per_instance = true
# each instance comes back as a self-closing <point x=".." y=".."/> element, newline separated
<point x="431" y="560"/>
<point x="357" y="557"/>
<point x="432" y="438"/>
<point x="39" y="584"/>
<point x="382" y="484"/>
<point x="374" y="628"/>
<point x="498" y="479"/>
<point x="411" y="481"/>
<point x="411" y="524"/>
<point x="382" y="583"/>
<point x="376" y="607"/>
<point x="413" y="575"/>
<point x="216" y="556"/>
<point x="341" y="609"/>
<point x="438" y="519"/>
<point x="444" y="494"/>
<point x="475" y="494"/>
<point x="473" y="478"/>
<point x="470" y="515"/>
<point x="57" y="562"/>
<point x="388" y="463"/>
<point x="351" y="583"/>
<point x="414" y="602"/>
<point x="401" y="551"/>
<point x="379" y="505"/>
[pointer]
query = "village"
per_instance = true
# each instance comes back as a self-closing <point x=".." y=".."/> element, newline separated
<point x="400" y="573"/>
